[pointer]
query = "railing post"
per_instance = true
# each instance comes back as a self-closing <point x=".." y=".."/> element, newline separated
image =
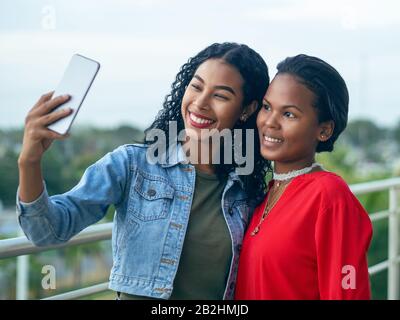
<point x="393" y="269"/>
<point x="22" y="287"/>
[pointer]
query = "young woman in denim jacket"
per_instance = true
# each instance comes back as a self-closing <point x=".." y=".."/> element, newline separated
<point x="178" y="226"/>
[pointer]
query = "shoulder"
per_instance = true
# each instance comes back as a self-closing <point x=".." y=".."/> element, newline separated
<point x="331" y="183"/>
<point x="124" y="156"/>
<point x="341" y="210"/>
<point x="130" y="151"/>
<point x="328" y="189"/>
<point x="326" y="183"/>
<point x="132" y="148"/>
<point x="337" y="198"/>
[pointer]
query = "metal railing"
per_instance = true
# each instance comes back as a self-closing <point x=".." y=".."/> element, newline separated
<point x="19" y="246"/>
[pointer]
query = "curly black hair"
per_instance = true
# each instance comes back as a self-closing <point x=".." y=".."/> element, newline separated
<point x="254" y="72"/>
<point x="329" y="88"/>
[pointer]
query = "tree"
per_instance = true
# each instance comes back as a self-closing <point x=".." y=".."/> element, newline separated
<point x="8" y="177"/>
<point x="364" y="133"/>
<point x="396" y="132"/>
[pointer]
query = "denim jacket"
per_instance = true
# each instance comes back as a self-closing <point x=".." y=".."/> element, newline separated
<point x="153" y="203"/>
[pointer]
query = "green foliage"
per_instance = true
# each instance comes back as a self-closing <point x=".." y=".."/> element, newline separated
<point x="379" y="285"/>
<point x="7" y="278"/>
<point x="339" y="162"/>
<point x="396" y="132"/>
<point x="364" y="132"/>
<point x="8" y="177"/>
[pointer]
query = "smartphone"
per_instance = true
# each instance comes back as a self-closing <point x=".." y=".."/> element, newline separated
<point x="76" y="82"/>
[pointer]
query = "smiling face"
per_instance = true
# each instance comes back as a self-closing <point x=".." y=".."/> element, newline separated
<point x="288" y="124"/>
<point x="213" y="98"/>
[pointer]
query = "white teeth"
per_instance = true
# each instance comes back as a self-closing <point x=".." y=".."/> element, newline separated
<point x="199" y="120"/>
<point x="269" y="139"/>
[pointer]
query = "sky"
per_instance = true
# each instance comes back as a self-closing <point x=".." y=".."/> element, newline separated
<point x="142" y="44"/>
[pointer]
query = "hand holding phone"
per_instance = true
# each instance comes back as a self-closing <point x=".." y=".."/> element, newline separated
<point x="57" y="114"/>
<point x="56" y="110"/>
<point x="76" y="83"/>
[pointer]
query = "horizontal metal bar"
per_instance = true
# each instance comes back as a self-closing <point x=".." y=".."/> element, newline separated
<point x="80" y="293"/>
<point x="378" y="267"/>
<point x="20" y="246"/>
<point x="381" y="266"/>
<point x="373" y="186"/>
<point x="379" y="215"/>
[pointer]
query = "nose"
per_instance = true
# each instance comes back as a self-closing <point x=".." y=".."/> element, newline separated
<point x="271" y="120"/>
<point x="202" y="101"/>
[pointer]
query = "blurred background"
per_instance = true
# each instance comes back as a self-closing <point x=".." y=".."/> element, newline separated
<point x="141" y="46"/>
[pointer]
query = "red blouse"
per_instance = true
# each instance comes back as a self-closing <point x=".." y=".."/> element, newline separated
<point x="311" y="245"/>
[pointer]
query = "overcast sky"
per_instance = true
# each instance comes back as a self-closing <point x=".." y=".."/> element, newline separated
<point x="142" y="44"/>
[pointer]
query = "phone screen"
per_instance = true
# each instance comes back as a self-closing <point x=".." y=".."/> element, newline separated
<point x="76" y="82"/>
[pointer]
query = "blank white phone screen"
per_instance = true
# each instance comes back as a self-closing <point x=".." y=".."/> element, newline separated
<point x="76" y="82"/>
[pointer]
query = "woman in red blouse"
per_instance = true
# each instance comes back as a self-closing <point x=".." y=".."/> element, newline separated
<point x="309" y="237"/>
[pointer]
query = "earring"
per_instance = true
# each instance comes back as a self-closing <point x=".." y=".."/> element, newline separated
<point x="243" y="117"/>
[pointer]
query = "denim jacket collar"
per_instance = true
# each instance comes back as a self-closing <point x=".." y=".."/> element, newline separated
<point x="176" y="155"/>
<point x="173" y="155"/>
<point x="235" y="177"/>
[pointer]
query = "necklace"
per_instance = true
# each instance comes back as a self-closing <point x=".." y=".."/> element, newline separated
<point x="294" y="173"/>
<point x="281" y="182"/>
<point x="275" y="193"/>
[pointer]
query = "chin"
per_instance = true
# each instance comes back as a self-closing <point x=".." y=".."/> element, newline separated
<point x="269" y="155"/>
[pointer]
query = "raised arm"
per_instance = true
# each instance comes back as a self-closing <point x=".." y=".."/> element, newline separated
<point x="37" y="139"/>
<point x="51" y="220"/>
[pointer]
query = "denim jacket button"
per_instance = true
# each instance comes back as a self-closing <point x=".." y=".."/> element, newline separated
<point x="151" y="192"/>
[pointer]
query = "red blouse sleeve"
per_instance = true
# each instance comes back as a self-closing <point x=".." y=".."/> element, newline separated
<point x="342" y="235"/>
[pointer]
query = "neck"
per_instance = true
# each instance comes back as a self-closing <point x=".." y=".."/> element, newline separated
<point x="200" y="154"/>
<point x="205" y="168"/>
<point x="284" y="167"/>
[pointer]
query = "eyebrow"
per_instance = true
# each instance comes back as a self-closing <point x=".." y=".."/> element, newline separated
<point x="286" y="106"/>
<point x="227" y="88"/>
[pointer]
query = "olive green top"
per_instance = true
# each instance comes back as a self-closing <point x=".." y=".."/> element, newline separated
<point x="207" y="250"/>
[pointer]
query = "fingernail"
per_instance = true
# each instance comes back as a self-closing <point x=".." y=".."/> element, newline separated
<point x="65" y="96"/>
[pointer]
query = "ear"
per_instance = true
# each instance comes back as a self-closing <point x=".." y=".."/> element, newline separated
<point x="325" y="130"/>
<point x="248" y="111"/>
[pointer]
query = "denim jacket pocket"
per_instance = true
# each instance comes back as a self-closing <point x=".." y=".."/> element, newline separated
<point x="151" y="196"/>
